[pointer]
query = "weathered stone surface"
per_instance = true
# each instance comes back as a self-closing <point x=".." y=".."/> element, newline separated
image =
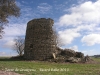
<point x="40" y="44"/>
<point x="60" y="59"/>
<point x="79" y="55"/>
<point x="68" y="53"/>
<point x="87" y="59"/>
<point x="39" y="40"/>
<point x="59" y="51"/>
<point x="74" y="60"/>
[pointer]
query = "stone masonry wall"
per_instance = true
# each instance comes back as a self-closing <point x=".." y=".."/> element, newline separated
<point x="39" y="40"/>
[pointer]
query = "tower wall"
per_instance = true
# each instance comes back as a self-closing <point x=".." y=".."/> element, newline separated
<point x="39" y="40"/>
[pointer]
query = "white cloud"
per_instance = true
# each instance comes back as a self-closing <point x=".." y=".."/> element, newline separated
<point x="15" y="30"/>
<point x="87" y="27"/>
<point x="86" y="13"/>
<point x="27" y="13"/>
<point x="67" y="36"/>
<point x="11" y="32"/>
<point x="91" y="39"/>
<point x="44" y="8"/>
<point x="2" y="53"/>
<point x="91" y="52"/>
<point x="83" y="18"/>
<point x="69" y="20"/>
<point x="60" y="7"/>
<point x="9" y="44"/>
<point x="8" y="54"/>
<point x="74" y="48"/>
<point x="24" y="2"/>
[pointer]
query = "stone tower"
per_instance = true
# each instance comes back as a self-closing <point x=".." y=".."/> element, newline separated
<point x="39" y="40"/>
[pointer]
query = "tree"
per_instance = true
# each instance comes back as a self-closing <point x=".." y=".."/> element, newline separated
<point x="19" y="45"/>
<point x="7" y="8"/>
<point x="1" y="31"/>
<point x="57" y="40"/>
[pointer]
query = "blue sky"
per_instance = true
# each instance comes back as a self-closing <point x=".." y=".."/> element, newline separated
<point x="77" y="23"/>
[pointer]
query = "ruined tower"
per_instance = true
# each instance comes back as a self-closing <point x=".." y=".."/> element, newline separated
<point x="39" y="40"/>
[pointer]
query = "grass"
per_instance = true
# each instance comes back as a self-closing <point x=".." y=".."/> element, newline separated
<point x="47" y="68"/>
<point x="96" y="59"/>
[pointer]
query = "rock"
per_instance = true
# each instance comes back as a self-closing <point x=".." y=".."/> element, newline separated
<point x="58" y="59"/>
<point x="73" y="60"/>
<point x="87" y="59"/>
<point x="68" y="53"/>
<point x="54" y="55"/>
<point x="59" y="50"/>
<point x="79" y="55"/>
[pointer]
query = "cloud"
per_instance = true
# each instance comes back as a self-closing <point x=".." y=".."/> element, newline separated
<point x="44" y="8"/>
<point x="75" y="47"/>
<point x="24" y="2"/>
<point x="60" y="7"/>
<point x="86" y="13"/>
<point x="11" y="32"/>
<point x="91" y="39"/>
<point x="83" y="18"/>
<point x="91" y="52"/>
<point x="15" y="30"/>
<point x="69" y="20"/>
<point x="27" y="13"/>
<point x="67" y="36"/>
<point x="8" y="54"/>
<point x="2" y="53"/>
<point x="9" y="44"/>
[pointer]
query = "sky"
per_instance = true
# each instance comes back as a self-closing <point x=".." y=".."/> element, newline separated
<point x="77" y="23"/>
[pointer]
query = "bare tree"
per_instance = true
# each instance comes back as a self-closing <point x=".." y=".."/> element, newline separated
<point x="7" y="8"/>
<point x="19" y="45"/>
<point x="57" y="39"/>
<point x="1" y="31"/>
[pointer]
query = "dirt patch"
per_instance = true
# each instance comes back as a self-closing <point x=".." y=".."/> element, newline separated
<point x="9" y="73"/>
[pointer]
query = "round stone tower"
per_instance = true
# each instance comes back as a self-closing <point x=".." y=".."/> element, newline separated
<point x="39" y="40"/>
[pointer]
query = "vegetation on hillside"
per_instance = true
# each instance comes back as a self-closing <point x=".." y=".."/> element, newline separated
<point x="48" y="68"/>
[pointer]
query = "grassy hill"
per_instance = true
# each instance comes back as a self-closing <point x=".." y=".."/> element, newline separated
<point x="50" y="68"/>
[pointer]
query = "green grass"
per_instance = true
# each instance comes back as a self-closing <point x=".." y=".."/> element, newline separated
<point x="96" y="59"/>
<point x="60" y="68"/>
